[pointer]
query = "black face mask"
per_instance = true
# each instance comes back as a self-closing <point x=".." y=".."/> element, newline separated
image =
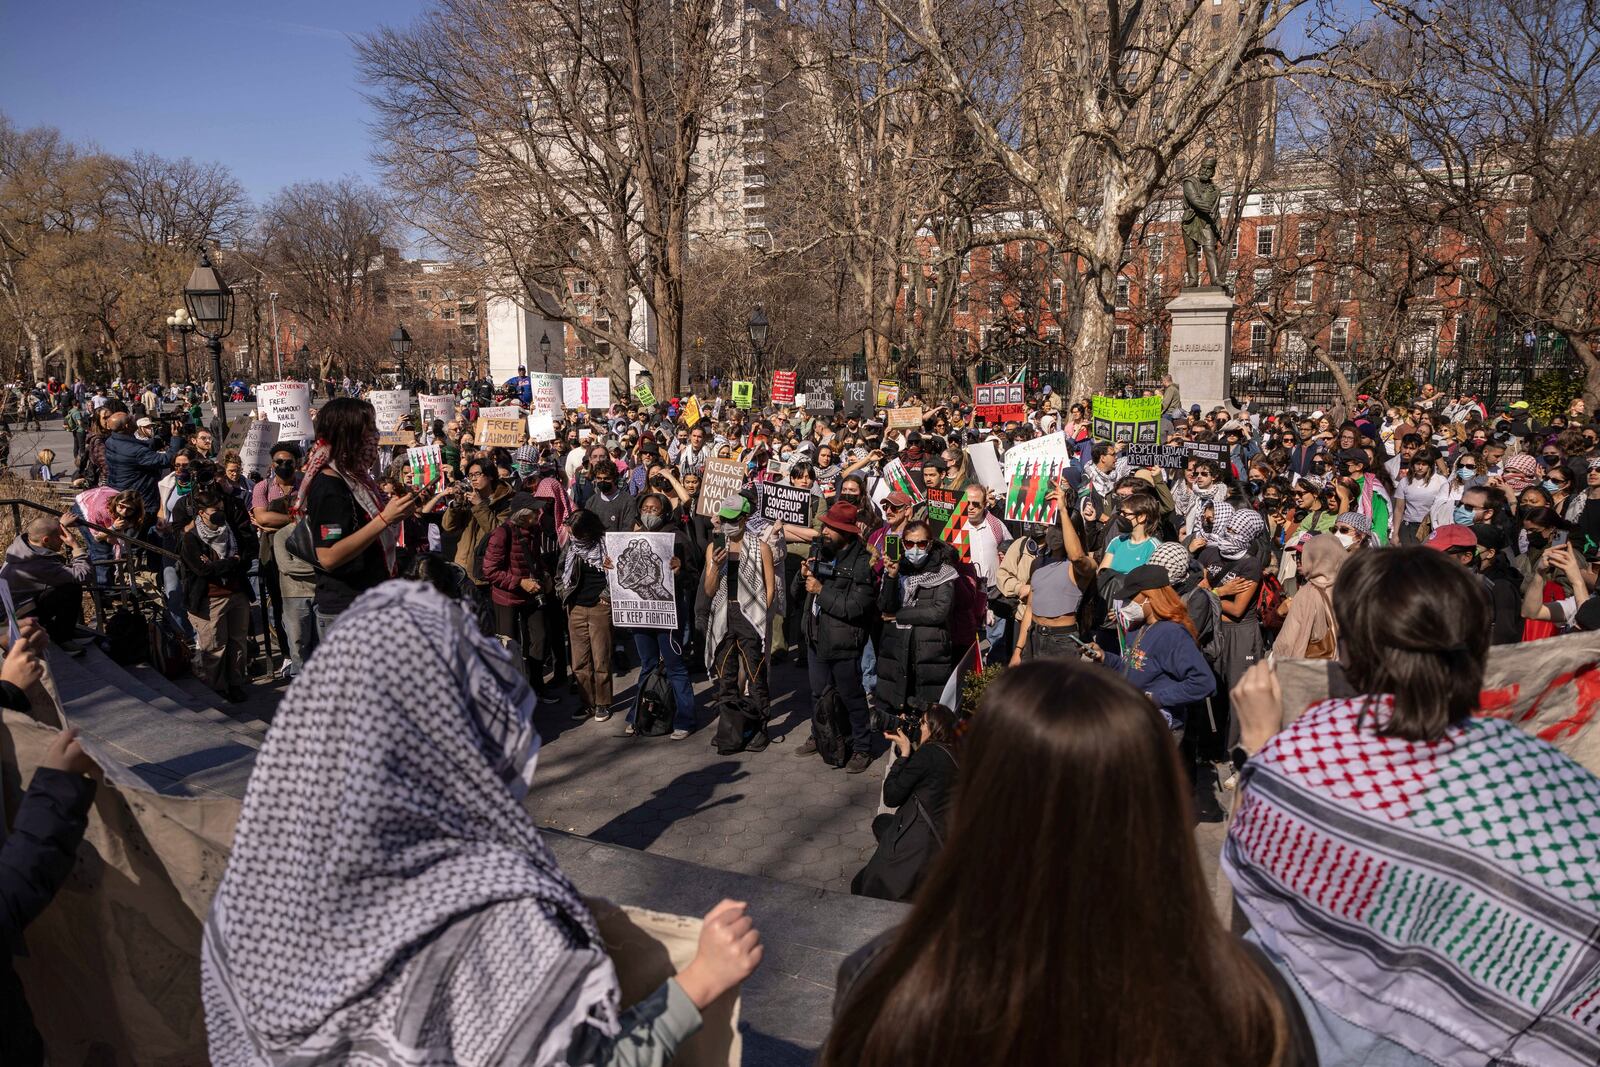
<point x="1538" y="540"/>
<point x="284" y="468"/>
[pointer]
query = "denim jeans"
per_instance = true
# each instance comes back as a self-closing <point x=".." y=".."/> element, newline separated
<point x="653" y="645"/>
<point x="300" y="628"/>
<point x="869" y="667"/>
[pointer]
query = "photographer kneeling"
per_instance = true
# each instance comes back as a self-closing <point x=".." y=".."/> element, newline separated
<point x="918" y="788"/>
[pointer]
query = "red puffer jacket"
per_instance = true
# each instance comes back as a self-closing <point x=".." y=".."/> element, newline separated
<point x="511" y="556"/>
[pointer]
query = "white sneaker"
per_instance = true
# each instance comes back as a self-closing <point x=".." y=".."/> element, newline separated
<point x="679" y="735"/>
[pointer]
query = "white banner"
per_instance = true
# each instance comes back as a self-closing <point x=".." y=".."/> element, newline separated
<point x="256" y="455"/>
<point x="442" y="408"/>
<point x="289" y="405"/>
<point x="640" y="579"/>
<point x="541" y="426"/>
<point x="546" y="393"/>
<point x="586" y="392"/>
<point x="390" y="406"/>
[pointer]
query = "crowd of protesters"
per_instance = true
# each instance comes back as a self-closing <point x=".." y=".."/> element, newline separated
<point x="1137" y="625"/>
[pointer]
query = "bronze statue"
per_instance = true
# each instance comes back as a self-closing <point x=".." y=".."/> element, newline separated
<point x="1201" y="230"/>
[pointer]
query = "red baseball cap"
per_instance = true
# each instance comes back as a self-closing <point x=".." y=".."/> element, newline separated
<point x="1453" y="536"/>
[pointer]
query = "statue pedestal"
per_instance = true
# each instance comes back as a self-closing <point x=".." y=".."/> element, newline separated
<point x="1200" y="358"/>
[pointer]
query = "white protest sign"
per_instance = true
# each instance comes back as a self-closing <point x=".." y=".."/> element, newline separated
<point x="586" y="392"/>
<point x="289" y="405"/>
<point x="1050" y="446"/>
<point x="640" y="578"/>
<point x="505" y="411"/>
<point x="986" y="466"/>
<point x="390" y="406"/>
<point x="546" y="393"/>
<point x="441" y="408"/>
<point x="541" y="426"/>
<point x="256" y="453"/>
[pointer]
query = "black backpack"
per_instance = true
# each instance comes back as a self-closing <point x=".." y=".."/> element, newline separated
<point x="655" y="706"/>
<point x="741" y="727"/>
<point x="830" y="728"/>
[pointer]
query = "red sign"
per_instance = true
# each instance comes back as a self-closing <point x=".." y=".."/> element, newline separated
<point x="1000" y="402"/>
<point x="783" y="387"/>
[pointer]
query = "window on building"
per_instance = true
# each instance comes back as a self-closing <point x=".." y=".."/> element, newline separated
<point x="1522" y="186"/>
<point x="1262" y="279"/>
<point x="1517" y="224"/>
<point x="1155" y="247"/>
<point x="580" y="285"/>
<point x="1303" y="286"/>
<point x="1056" y="289"/>
<point x="447" y="314"/>
<point x="963" y="339"/>
<point x="1305" y="239"/>
<point x="1265" y="238"/>
<point x="1427" y="286"/>
<point x="1119" y="343"/>
<point x="424" y="294"/>
<point x="1258" y="339"/>
<point x="963" y="300"/>
<point x="1216" y="23"/>
<point x="1233" y="248"/>
<point x="966" y="263"/>
<point x="1469" y="276"/>
<point x="1345" y="239"/>
<point x="1025" y="253"/>
<point x="1339" y="338"/>
<point x="1343" y="284"/>
<point x="996" y="299"/>
<point x="1512" y="267"/>
<point x="1122" y="293"/>
<point x="1153" y="297"/>
<point x="1186" y="61"/>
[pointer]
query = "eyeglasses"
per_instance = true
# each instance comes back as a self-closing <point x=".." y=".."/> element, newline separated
<point x="1347" y="530"/>
<point x="915" y="544"/>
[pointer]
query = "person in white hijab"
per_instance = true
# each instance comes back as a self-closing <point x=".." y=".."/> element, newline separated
<point x="389" y="899"/>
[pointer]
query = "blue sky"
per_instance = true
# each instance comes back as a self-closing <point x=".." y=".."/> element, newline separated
<point x="269" y="89"/>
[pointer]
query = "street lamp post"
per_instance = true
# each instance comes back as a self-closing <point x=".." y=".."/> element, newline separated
<point x="181" y="324"/>
<point x="305" y="361"/>
<point x="450" y="361"/>
<point x="277" y="361"/>
<point x="210" y="304"/>
<point x="544" y="350"/>
<point x="400" y="344"/>
<point x="758" y="337"/>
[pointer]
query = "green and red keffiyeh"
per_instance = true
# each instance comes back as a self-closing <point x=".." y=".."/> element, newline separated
<point x="1444" y="895"/>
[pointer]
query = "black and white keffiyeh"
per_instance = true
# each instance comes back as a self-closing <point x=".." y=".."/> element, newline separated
<point x="388" y="899"/>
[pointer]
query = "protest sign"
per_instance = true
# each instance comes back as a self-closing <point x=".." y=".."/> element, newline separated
<point x="289" y="405"/>
<point x="783" y="383"/>
<point x="541" y="426"/>
<point x="986" y="466"/>
<point x="234" y="439"/>
<point x="800" y="401"/>
<point x="744" y="394"/>
<point x="1214" y="451"/>
<point x="819" y="395"/>
<point x="947" y="514"/>
<point x="1033" y="470"/>
<point x="256" y="452"/>
<point x="1550" y="688"/>
<point x="786" y="503"/>
<point x="1051" y="444"/>
<point x="546" y="393"/>
<point x="999" y="402"/>
<point x="500" y="433"/>
<point x="645" y="395"/>
<point x="690" y="412"/>
<point x="941" y="506"/>
<point x="440" y="408"/>
<point x="720" y="479"/>
<point x="855" y="398"/>
<point x="888" y="394"/>
<point x="390" y="406"/>
<point x="1136" y="421"/>
<point x="505" y="411"/>
<point x="1170" y="456"/>
<point x="905" y="418"/>
<point x="427" y="465"/>
<point x="586" y="392"/>
<point x="640" y="579"/>
<point x="899" y="480"/>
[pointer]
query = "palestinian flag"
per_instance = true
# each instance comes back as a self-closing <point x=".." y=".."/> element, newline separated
<point x="1028" y="495"/>
<point x="894" y="472"/>
<point x="956" y="533"/>
<point x="427" y="465"/>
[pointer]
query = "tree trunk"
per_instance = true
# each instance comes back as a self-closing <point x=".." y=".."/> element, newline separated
<point x="36" y="356"/>
<point x="1347" y="392"/>
<point x="1591" y="372"/>
<point x="1091" y="347"/>
<point x="669" y="324"/>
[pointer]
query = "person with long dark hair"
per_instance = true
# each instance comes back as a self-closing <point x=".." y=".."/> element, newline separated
<point x="351" y="521"/>
<point x="1102" y="945"/>
<point x="1425" y="876"/>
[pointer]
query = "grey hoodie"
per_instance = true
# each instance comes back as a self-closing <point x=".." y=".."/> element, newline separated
<point x="30" y="570"/>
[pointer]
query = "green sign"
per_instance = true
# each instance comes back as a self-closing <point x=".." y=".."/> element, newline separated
<point x="1136" y="421"/>
<point x="645" y="396"/>
<point x="744" y="394"/>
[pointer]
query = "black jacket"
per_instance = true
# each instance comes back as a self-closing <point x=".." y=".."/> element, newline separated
<point x="919" y="788"/>
<point x="845" y="608"/>
<point x="34" y="862"/>
<point x="202" y="569"/>
<point x="915" y="657"/>
<point x="1503" y="586"/>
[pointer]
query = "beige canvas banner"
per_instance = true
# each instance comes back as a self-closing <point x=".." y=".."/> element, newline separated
<point x="1550" y="688"/>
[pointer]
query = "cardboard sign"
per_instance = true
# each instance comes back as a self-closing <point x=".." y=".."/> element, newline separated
<point x="819" y="395"/>
<point x="289" y="405"/>
<point x="905" y="418"/>
<point x="500" y="433"/>
<point x="941" y="507"/>
<point x="541" y="426"/>
<point x="786" y="503"/>
<point x="855" y="398"/>
<point x="999" y="402"/>
<point x="256" y="453"/>
<point x="640" y="580"/>
<point x="783" y="383"/>
<point x="1168" y="456"/>
<point x="586" y="392"/>
<point x="720" y="479"/>
<point x="1030" y="487"/>
<point x="1136" y="421"/>
<point x="888" y="393"/>
<point x="436" y="408"/>
<point x="506" y="411"/>
<point x="645" y="395"/>
<point x="689" y="414"/>
<point x="744" y="394"/>
<point x="546" y="393"/>
<point x="391" y="406"/>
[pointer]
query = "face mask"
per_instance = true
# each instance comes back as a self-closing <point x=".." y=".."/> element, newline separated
<point x="1551" y="485"/>
<point x="1345" y="539"/>
<point x="1463" y="515"/>
<point x="284" y="469"/>
<point x="1130" y="614"/>
<point x="1538" y="540"/>
<point x="184" y="476"/>
<point x="605" y="486"/>
<point x="851" y="498"/>
<point x="650" y="520"/>
<point x="916" y="556"/>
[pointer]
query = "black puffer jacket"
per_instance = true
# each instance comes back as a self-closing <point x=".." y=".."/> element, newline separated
<point x="915" y="657"/>
<point x="838" y="628"/>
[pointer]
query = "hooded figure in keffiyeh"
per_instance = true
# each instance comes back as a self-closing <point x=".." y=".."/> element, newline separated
<point x="388" y="899"/>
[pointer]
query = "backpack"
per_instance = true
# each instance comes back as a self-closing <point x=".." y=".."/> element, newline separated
<point x="830" y="728"/>
<point x="1269" y="602"/>
<point x="654" y="708"/>
<point x="741" y="726"/>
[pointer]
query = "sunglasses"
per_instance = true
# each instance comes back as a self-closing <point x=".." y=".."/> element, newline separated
<point x="915" y="544"/>
<point x="1347" y="530"/>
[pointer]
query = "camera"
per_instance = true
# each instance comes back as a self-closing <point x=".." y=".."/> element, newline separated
<point x="821" y="569"/>
<point x="906" y="720"/>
